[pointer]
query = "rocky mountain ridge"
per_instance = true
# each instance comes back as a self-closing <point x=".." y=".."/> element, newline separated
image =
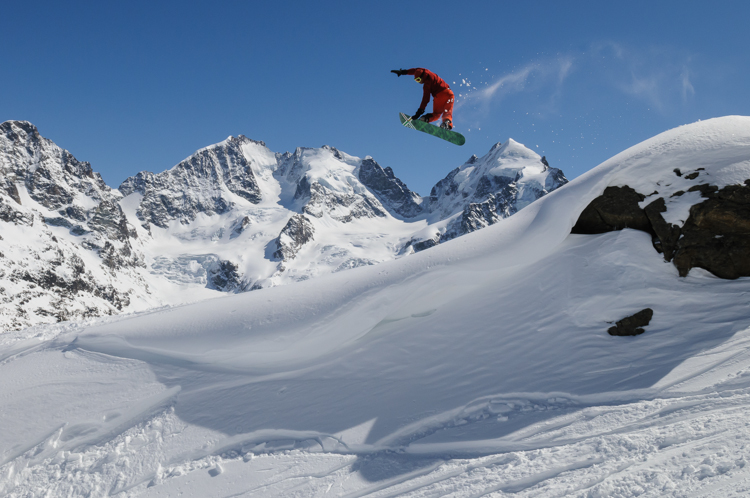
<point x="232" y="217"/>
<point x="66" y="244"/>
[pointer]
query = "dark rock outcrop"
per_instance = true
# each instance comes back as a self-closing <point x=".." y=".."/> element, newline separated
<point x="633" y="324"/>
<point x="665" y="235"/>
<point x="297" y="232"/>
<point x="109" y="220"/>
<point x="421" y="244"/>
<point x="224" y="276"/>
<point x="10" y="188"/>
<point x="715" y="237"/>
<point x="479" y="215"/>
<point x="11" y="215"/>
<point x="392" y="192"/>
<point x="240" y="226"/>
<point x="615" y="209"/>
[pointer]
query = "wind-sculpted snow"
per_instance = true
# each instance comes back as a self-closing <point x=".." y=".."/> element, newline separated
<point x="480" y="367"/>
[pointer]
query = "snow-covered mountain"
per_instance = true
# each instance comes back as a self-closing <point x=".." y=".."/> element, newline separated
<point x="484" y="190"/>
<point x="232" y="217"/>
<point x="491" y="364"/>
<point x="66" y="247"/>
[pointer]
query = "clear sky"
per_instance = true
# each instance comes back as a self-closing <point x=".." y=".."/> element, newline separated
<point x="132" y="86"/>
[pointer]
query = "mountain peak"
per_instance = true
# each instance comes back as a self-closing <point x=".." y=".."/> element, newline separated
<point x="511" y="172"/>
<point x="15" y="126"/>
<point x="512" y="149"/>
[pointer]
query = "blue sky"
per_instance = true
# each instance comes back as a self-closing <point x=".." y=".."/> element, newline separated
<point x="132" y="86"/>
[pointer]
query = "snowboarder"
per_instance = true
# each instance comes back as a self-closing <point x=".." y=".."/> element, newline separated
<point x="443" y="98"/>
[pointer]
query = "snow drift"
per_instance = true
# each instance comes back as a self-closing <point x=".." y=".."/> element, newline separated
<point x="482" y="365"/>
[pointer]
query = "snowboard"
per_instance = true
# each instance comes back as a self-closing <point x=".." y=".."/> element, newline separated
<point x="447" y="135"/>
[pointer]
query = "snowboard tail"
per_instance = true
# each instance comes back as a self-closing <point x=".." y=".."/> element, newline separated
<point x="447" y="135"/>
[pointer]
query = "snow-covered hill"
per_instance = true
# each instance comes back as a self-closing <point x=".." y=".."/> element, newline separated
<point x="232" y="217"/>
<point x="482" y="367"/>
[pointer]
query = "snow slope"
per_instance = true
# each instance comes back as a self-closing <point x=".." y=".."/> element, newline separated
<point x="481" y="367"/>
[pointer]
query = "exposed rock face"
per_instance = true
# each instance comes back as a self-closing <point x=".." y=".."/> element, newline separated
<point x="240" y="226"/>
<point x="203" y="183"/>
<point x="665" y="235"/>
<point x="391" y="191"/>
<point x="11" y="214"/>
<point x="68" y="213"/>
<point x="297" y="232"/>
<point x="421" y="244"/>
<point x="512" y="174"/>
<point x="485" y="190"/>
<point x="615" y="209"/>
<point x="632" y="325"/>
<point x="10" y="189"/>
<point x="335" y="193"/>
<point x="715" y="237"/>
<point x="479" y="215"/>
<point x="320" y="200"/>
<point x="223" y="276"/>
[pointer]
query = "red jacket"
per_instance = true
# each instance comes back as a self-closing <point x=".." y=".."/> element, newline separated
<point x="433" y="84"/>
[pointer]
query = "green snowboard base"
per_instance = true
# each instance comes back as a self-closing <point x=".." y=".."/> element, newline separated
<point x="447" y="135"/>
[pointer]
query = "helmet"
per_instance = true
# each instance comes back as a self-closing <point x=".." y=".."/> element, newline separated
<point x="419" y="78"/>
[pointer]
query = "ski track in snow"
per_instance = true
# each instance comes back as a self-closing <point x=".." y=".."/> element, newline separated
<point x="480" y="367"/>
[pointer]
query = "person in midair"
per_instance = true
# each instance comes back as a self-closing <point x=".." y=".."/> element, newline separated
<point x="443" y="98"/>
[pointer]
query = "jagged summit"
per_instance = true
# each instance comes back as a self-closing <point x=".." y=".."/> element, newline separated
<point x="67" y="247"/>
<point x="231" y="217"/>
<point x="210" y="181"/>
<point x="19" y="128"/>
<point x="510" y="172"/>
<point x="487" y="189"/>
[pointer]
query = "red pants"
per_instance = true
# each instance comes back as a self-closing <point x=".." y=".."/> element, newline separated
<point x="442" y="105"/>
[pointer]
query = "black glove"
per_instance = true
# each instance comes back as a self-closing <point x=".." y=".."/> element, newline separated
<point x="417" y="114"/>
<point x="398" y="72"/>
